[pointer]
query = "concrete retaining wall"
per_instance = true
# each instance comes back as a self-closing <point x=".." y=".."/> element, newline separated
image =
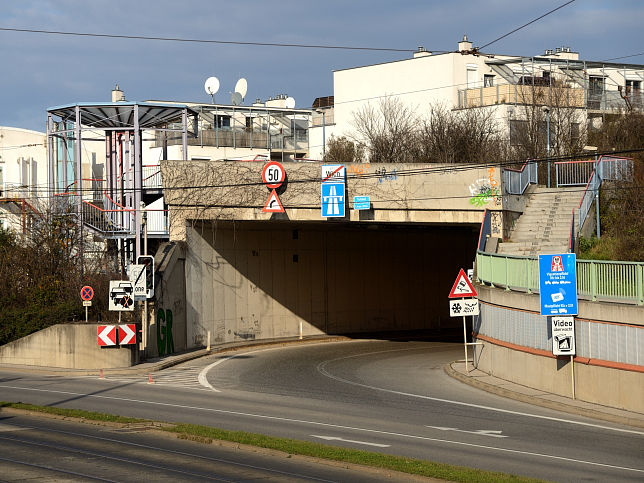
<point x="73" y="346"/>
<point x="515" y="348"/>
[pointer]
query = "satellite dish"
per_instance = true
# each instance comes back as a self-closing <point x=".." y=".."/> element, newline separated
<point x="290" y="103"/>
<point x="241" y="87"/>
<point x="236" y="98"/>
<point x="211" y="85"/>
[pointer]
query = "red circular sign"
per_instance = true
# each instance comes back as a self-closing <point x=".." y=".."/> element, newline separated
<point x="273" y="174"/>
<point x="87" y="293"/>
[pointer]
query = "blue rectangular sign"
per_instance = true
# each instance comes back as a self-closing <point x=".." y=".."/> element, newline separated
<point x="361" y="203"/>
<point x="333" y="200"/>
<point x="558" y="284"/>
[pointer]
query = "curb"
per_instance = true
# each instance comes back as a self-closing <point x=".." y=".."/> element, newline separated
<point x="156" y="366"/>
<point x="556" y="405"/>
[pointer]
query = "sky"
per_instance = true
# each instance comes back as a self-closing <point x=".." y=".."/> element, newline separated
<point x="38" y="71"/>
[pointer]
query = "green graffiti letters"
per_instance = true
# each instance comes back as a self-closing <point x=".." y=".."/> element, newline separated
<point x="165" y="342"/>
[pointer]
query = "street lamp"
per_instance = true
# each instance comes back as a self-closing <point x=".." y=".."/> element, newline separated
<point x="323" y="112"/>
<point x="547" y="111"/>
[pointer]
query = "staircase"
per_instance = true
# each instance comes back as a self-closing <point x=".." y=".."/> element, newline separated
<point x="544" y="226"/>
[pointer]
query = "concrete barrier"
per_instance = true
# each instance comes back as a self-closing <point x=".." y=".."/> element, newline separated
<point x="73" y="346"/>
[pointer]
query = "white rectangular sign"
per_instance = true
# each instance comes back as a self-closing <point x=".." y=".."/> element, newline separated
<point x="121" y="296"/>
<point x="138" y="279"/>
<point x="563" y="336"/>
<point x="461" y="307"/>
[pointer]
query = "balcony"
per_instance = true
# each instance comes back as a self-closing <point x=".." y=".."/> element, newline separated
<point x="575" y="97"/>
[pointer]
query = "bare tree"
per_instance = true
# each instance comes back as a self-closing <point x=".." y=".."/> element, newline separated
<point x="466" y="136"/>
<point x="388" y="131"/>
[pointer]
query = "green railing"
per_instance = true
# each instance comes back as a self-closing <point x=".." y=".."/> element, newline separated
<point x="596" y="280"/>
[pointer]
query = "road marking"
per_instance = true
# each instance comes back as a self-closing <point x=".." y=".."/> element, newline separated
<point x="321" y="368"/>
<point x="326" y="425"/>
<point x="335" y="438"/>
<point x="9" y="428"/>
<point x="481" y="432"/>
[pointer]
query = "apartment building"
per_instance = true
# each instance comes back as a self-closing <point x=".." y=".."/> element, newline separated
<point x="469" y="79"/>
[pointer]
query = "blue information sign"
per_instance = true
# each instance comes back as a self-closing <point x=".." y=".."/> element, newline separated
<point x="361" y="203"/>
<point x="333" y="185"/>
<point x="558" y="284"/>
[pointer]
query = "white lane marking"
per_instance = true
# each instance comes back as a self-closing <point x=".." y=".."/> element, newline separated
<point x="321" y="368"/>
<point x="203" y="375"/>
<point x="327" y="425"/>
<point x="4" y="428"/>
<point x="335" y="438"/>
<point x="481" y="432"/>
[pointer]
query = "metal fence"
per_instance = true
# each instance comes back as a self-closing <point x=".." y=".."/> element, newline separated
<point x="608" y="342"/>
<point x="515" y="181"/>
<point x="612" y="281"/>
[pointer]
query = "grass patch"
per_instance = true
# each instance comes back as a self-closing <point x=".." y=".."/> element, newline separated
<point x="72" y="413"/>
<point x="205" y="434"/>
<point x="346" y="455"/>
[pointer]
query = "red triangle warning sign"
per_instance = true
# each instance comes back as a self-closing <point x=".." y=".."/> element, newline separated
<point x="273" y="205"/>
<point x="462" y="287"/>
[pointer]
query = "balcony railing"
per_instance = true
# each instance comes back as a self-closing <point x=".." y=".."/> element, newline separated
<point x="244" y="138"/>
<point x="543" y="95"/>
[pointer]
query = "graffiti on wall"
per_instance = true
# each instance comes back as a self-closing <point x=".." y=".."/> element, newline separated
<point x="496" y="224"/>
<point x="165" y="342"/>
<point x="484" y="190"/>
<point x="358" y="169"/>
<point x="384" y="175"/>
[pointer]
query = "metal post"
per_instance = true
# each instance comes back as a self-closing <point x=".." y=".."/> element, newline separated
<point x="572" y="374"/>
<point x="323" y="135"/>
<point x="144" y="321"/>
<point x="465" y="340"/>
<point x="597" y="181"/>
<point x="548" y="141"/>
<point x="137" y="182"/>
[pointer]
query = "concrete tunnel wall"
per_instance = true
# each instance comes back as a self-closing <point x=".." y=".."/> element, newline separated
<point x="253" y="280"/>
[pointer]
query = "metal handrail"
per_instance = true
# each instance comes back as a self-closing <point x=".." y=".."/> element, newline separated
<point x="597" y="280"/>
<point x="515" y="181"/>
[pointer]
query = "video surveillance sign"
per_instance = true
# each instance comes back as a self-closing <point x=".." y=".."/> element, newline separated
<point x="563" y="336"/>
<point x="558" y="284"/>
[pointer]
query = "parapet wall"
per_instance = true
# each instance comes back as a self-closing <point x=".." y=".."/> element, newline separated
<point x="517" y="346"/>
<point x="72" y="346"/>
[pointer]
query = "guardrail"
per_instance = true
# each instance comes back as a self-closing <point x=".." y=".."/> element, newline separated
<point x="515" y="181"/>
<point x="597" y="280"/>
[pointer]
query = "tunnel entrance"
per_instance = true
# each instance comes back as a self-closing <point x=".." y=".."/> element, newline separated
<point x="252" y="280"/>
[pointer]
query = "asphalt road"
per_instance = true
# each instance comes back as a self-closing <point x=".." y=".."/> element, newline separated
<point x="385" y="396"/>
<point x="52" y="450"/>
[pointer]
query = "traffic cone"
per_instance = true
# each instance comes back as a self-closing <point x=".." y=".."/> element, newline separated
<point x="150" y="381"/>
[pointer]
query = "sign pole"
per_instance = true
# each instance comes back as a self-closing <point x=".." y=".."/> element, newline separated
<point x="465" y="343"/>
<point x="572" y="374"/>
<point x="86" y="314"/>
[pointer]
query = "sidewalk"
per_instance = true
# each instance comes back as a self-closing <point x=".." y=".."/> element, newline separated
<point x="501" y="387"/>
<point x="156" y="364"/>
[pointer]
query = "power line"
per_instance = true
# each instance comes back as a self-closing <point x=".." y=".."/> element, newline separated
<point x="205" y="41"/>
<point x="529" y="23"/>
<point x="624" y="57"/>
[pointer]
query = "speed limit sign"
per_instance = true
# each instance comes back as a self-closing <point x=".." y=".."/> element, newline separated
<point x="273" y="174"/>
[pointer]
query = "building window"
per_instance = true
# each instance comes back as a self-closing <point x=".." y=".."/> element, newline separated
<point x="633" y="86"/>
<point x="518" y="129"/>
<point x="488" y="80"/>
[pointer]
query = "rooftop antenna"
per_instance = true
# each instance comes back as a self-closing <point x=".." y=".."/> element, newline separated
<point x="236" y="98"/>
<point x="290" y="103"/>
<point x="212" y="86"/>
